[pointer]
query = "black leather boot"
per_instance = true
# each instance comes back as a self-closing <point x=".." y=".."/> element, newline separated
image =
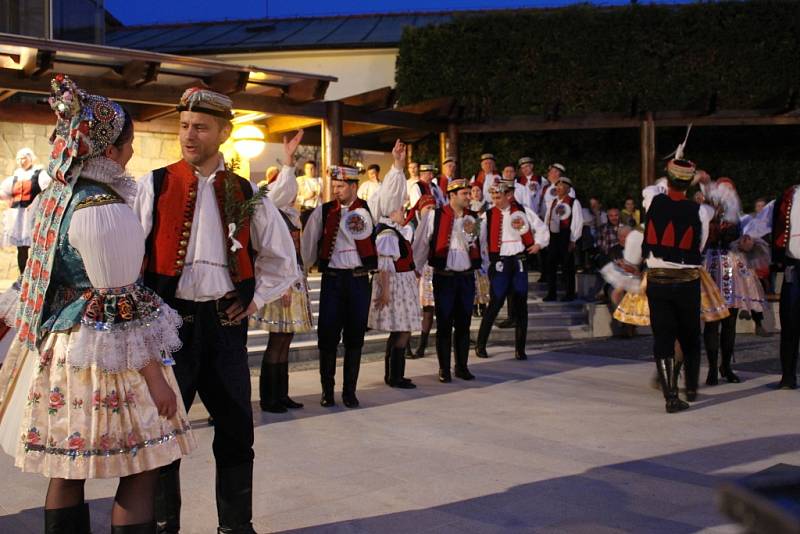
<point x="520" y="340"/>
<point x="665" y="368"/>
<point x="327" y="373"/>
<point x="72" y="520"/>
<point x="387" y="364"/>
<point x="168" y="499"/>
<point x="352" y="365"/>
<point x="283" y="381"/>
<point x="269" y="389"/>
<point x="712" y="379"/>
<point x="397" y="369"/>
<point x="725" y="369"/>
<point x="483" y="338"/>
<point x="139" y="528"/>
<point x="423" y="344"/>
<point x="235" y="499"/>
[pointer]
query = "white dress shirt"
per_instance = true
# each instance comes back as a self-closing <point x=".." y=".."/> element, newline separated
<point x="344" y="254"/>
<point x="511" y="240"/>
<point x="554" y="224"/>
<point x="436" y="191"/>
<point x="367" y="189"/>
<point x="205" y="274"/>
<point x="309" y="186"/>
<point x="706" y="214"/>
<point x="458" y="255"/>
<point x="793" y="246"/>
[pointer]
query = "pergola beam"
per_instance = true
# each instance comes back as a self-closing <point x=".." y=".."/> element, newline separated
<point x="284" y="123"/>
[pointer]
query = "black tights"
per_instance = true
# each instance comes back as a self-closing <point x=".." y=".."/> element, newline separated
<point x="22" y="258"/>
<point x="397" y="340"/>
<point x="427" y="319"/>
<point x="278" y="347"/>
<point x="724" y="338"/>
<point x="133" y="503"/>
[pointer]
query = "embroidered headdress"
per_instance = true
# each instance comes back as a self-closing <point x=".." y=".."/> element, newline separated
<point x="206" y="101"/>
<point x="343" y="173"/>
<point x="86" y="124"/>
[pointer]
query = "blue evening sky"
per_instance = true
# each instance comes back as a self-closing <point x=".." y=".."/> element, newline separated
<point x="160" y="11"/>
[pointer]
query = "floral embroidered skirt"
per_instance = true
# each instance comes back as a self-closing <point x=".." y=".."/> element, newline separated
<point x="294" y="318"/>
<point x="482" y="288"/>
<point x="426" y="287"/>
<point x="736" y="281"/>
<point x="403" y="313"/>
<point x="634" y="308"/>
<point x="89" y="423"/>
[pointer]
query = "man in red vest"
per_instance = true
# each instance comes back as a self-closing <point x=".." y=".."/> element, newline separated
<point x="339" y="238"/>
<point x="564" y="219"/>
<point x="448" y="172"/>
<point x="676" y="230"/>
<point x="216" y="252"/>
<point x="786" y="255"/>
<point x="510" y="233"/>
<point x="426" y="185"/>
<point x="449" y="239"/>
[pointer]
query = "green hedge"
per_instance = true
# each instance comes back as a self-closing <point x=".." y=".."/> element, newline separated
<point x="590" y="59"/>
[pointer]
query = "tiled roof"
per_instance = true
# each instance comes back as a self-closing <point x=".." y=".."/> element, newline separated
<point x="355" y="31"/>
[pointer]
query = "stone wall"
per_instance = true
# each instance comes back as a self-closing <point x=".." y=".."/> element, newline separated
<point x="151" y="150"/>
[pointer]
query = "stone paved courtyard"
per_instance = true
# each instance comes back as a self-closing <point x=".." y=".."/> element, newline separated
<point x="572" y="440"/>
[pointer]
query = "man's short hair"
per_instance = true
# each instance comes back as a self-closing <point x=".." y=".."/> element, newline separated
<point x="374" y="167"/>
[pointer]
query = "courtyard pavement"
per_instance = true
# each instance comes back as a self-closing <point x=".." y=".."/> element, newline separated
<point x="572" y="440"/>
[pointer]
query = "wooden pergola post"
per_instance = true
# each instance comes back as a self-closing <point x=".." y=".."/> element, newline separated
<point x="409" y="153"/>
<point x="647" y="147"/>
<point x="331" y="144"/>
<point x="442" y="148"/>
<point x="452" y="146"/>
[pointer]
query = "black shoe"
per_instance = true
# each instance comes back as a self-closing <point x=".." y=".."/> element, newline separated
<point x="676" y="405"/>
<point x="788" y="383"/>
<point x="549" y="298"/>
<point x="712" y="379"/>
<point x="507" y="323"/>
<point x="444" y="376"/>
<point x="463" y="373"/>
<point x="234" y="491"/>
<point x="423" y="344"/>
<point x="691" y="395"/>
<point x="273" y="407"/>
<point x="761" y="332"/>
<point x="168" y="499"/>
<point x="520" y="356"/>
<point x="403" y="383"/>
<point x="350" y="400"/>
<point x="728" y="374"/>
<point x="568" y="298"/>
<point x="480" y="352"/>
<point x="210" y="421"/>
<point x="326" y="401"/>
<point x="289" y="403"/>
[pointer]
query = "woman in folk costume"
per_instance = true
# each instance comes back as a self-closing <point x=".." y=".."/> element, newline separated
<point x="394" y="307"/>
<point x="102" y="398"/>
<point x="730" y="270"/>
<point x="479" y="206"/>
<point x="290" y="314"/>
<point x="21" y="189"/>
<point x="415" y="214"/>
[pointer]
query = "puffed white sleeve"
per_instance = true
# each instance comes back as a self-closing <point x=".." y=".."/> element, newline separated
<point x="706" y="214"/>
<point x="6" y="187"/>
<point x="310" y="238"/>
<point x="44" y="179"/>
<point x="577" y="221"/>
<point x="283" y="191"/>
<point x="143" y="204"/>
<point x="541" y="234"/>
<point x="124" y="325"/>
<point x="388" y="247"/>
<point x="422" y="239"/>
<point x="276" y="258"/>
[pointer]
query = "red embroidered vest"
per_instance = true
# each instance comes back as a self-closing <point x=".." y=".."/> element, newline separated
<point x="175" y="194"/>
<point x="443" y="221"/>
<point x="405" y="262"/>
<point x="781" y="224"/>
<point x="494" y="230"/>
<point x="331" y="217"/>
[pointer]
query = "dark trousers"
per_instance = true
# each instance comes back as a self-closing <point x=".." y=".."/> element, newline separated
<point x="675" y="315"/>
<point x="343" y="312"/>
<point x="453" y="295"/>
<point x="510" y="283"/>
<point x="721" y="335"/>
<point x="789" y="312"/>
<point x="213" y="364"/>
<point x="559" y="255"/>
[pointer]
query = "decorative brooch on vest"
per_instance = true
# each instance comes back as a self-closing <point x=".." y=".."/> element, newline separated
<point x="236" y="212"/>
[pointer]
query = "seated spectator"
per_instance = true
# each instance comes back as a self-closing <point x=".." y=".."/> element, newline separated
<point x="630" y="214"/>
